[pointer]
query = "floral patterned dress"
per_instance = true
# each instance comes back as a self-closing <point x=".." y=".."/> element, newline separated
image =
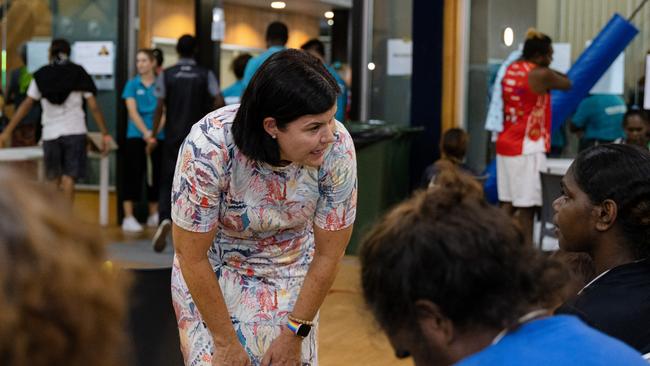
<point x="264" y="241"/>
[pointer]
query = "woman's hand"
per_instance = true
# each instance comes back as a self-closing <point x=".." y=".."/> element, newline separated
<point x="146" y="135"/>
<point x="232" y="353"/>
<point x="106" y="143"/>
<point x="151" y="145"/>
<point x="284" y="350"/>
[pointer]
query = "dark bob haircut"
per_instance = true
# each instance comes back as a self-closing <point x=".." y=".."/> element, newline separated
<point x="619" y="172"/>
<point x="289" y="85"/>
<point x="447" y="245"/>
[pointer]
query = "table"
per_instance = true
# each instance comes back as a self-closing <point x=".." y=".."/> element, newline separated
<point x="28" y="153"/>
<point x="558" y="166"/>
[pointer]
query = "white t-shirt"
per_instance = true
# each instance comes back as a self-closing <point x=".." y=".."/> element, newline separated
<point x="64" y="119"/>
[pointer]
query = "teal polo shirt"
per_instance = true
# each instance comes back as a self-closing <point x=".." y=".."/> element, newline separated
<point x="233" y="93"/>
<point x="601" y="117"/>
<point x="342" y="99"/>
<point x="145" y="101"/>
<point x="257" y="61"/>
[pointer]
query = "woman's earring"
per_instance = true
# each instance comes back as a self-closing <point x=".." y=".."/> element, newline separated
<point x="273" y="136"/>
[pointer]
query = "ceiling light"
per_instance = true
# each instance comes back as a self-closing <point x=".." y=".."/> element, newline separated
<point x="329" y="14"/>
<point x="330" y="22"/>
<point x="278" y="5"/>
<point x="508" y="36"/>
<point x="371" y="66"/>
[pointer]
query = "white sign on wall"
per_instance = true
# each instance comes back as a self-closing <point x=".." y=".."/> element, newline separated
<point x="561" y="57"/>
<point x="37" y="55"/>
<point x="613" y="80"/>
<point x="96" y="57"/>
<point x="400" y="57"/>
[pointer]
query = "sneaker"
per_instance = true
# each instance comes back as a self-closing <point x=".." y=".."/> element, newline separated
<point x="131" y="225"/>
<point x="159" y="241"/>
<point x="152" y="220"/>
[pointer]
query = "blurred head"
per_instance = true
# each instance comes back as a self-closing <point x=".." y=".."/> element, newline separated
<point x="538" y="48"/>
<point x="315" y="47"/>
<point x="186" y="46"/>
<point x="453" y="145"/>
<point x="239" y="65"/>
<point x="636" y="125"/>
<point x="277" y="34"/>
<point x="606" y="191"/>
<point x="444" y="266"/>
<point x="159" y="56"/>
<point x="61" y="305"/>
<point x="287" y="111"/>
<point x="145" y="61"/>
<point x="59" y="50"/>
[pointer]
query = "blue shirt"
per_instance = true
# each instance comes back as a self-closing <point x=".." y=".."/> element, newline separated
<point x="233" y="93"/>
<point x="145" y="101"/>
<point x="559" y="340"/>
<point x="257" y="61"/>
<point x="342" y="99"/>
<point x="601" y="116"/>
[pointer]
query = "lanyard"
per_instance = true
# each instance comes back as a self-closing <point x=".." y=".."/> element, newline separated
<point x="535" y="314"/>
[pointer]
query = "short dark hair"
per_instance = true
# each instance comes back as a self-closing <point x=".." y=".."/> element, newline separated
<point x="289" y="85"/>
<point x="536" y="44"/>
<point x="186" y="46"/>
<point x="58" y="46"/>
<point x="239" y="65"/>
<point x="277" y="33"/>
<point x="620" y="172"/>
<point x="635" y="112"/>
<point x="447" y="245"/>
<point x="316" y="45"/>
<point x="453" y="144"/>
<point x="159" y="55"/>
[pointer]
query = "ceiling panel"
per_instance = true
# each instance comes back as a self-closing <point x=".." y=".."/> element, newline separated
<point x="310" y="7"/>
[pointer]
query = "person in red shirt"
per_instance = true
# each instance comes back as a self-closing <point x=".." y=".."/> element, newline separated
<point x="526" y="137"/>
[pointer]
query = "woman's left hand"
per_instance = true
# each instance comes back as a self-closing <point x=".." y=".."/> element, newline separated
<point x="284" y="350"/>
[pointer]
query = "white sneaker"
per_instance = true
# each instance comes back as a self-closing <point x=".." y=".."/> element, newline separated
<point x="130" y="224"/>
<point x="152" y="220"/>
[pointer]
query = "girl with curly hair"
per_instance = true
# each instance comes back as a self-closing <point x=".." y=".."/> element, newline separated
<point x="604" y="211"/>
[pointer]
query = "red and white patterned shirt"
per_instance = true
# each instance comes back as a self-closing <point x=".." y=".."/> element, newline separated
<point x="527" y="115"/>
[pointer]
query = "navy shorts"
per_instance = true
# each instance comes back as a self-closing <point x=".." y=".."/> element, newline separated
<point x="65" y="155"/>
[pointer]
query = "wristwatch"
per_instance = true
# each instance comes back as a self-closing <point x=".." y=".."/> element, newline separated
<point x="301" y="330"/>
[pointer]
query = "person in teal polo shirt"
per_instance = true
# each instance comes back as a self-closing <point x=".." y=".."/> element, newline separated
<point x="277" y="35"/>
<point x="600" y="118"/>
<point x="140" y="103"/>
<point x="316" y="48"/>
<point x="232" y="94"/>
